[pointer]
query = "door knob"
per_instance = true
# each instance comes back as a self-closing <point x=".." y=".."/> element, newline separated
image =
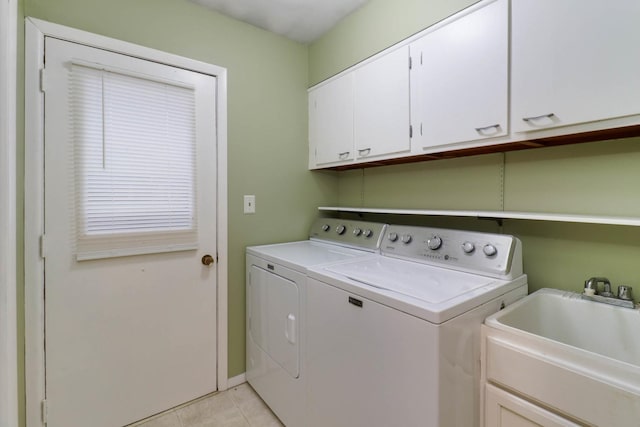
<point x="207" y="260"/>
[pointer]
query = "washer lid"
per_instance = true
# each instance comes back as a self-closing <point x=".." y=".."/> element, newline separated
<point x="300" y="255"/>
<point x="432" y="285"/>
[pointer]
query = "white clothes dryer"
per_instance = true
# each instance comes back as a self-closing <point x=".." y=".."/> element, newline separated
<point x="276" y="292"/>
<point x="393" y="339"/>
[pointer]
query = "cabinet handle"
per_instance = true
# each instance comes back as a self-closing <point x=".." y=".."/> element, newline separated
<point x="343" y="155"/>
<point x="529" y="119"/>
<point x="483" y="130"/>
<point x="364" y="151"/>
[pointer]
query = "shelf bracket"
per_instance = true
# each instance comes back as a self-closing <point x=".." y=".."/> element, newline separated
<point x="498" y="221"/>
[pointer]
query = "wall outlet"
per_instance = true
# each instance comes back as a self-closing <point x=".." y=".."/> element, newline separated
<point x="250" y="204"/>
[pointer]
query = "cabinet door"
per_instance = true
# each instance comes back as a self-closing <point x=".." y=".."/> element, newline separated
<point x="459" y="79"/>
<point x="382" y="105"/>
<point x="331" y="122"/>
<point x="574" y="61"/>
<point x="503" y="409"/>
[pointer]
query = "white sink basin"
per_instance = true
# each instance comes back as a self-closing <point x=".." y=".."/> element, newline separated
<point x="574" y="357"/>
<point x="567" y="318"/>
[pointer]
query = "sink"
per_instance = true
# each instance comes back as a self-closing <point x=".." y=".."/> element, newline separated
<point x="567" y="355"/>
<point x="566" y="318"/>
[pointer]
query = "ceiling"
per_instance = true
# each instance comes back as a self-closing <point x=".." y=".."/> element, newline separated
<point x="299" y="20"/>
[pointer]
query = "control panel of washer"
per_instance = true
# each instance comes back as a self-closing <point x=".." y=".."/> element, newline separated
<point x="462" y="250"/>
<point x="358" y="234"/>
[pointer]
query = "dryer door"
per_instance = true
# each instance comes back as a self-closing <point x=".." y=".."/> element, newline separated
<point x="274" y="318"/>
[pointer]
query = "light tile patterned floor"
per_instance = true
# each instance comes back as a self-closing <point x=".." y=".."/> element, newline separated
<point x="237" y="407"/>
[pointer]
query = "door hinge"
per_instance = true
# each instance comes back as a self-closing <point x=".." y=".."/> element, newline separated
<point x="43" y="246"/>
<point x="43" y="80"/>
<point x="410" y="63"/>
<point x="45" y="410"/>
<point x="410" y="131"/>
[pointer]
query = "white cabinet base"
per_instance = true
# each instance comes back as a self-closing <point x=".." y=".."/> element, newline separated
<point x="503" y="409"/>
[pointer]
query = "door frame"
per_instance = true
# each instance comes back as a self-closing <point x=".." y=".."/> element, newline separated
<point x="8" y="205"/>
<point x="35" y="32"/>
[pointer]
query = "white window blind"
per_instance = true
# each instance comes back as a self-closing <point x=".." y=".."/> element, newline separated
<point x="135" y="163"/>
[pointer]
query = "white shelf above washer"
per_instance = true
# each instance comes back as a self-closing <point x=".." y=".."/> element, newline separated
<point x="584" y="219"/>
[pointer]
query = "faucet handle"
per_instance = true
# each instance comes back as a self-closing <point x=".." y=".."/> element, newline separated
<point x="624" y="292"/>
<point x="592" y="283"/>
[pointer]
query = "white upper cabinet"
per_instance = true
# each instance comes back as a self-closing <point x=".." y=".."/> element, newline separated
<point x="459" y="79"/>
<point x="574" y="61"/>
<point x="382" y="105"/>
<point x="331" y="123"/>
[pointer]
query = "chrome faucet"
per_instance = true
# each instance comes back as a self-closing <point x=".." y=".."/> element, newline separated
<point x="591" y="292"/>
<point x="592" y="283"/>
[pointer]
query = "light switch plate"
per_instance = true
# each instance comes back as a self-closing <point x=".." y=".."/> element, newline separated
<point x="249" y="204"/>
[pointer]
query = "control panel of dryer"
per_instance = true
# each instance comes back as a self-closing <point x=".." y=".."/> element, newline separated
<point x="484" y="253"/>
<point x="357" y="234"/>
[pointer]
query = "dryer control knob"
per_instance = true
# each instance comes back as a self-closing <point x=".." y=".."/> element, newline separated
<point x="367" y="233"/>
<point x="434" y="243"/>
<point x="468" y="247"/>
<point x="393" y="237"/>
<point x="406" y="238"/>
<point x="326" y="227"/>
<point x="357" y="232"/>
<point x="489" y="250"/>
<point x="341" y="229"/>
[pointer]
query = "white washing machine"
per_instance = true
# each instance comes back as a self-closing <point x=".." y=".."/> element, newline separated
<point x="276" y="291"/>
<point x="393" y="340"/>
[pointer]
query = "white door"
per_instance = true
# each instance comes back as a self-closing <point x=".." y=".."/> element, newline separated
<point x="130" y="307"/>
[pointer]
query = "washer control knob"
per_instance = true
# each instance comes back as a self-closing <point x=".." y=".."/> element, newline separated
<point x="326" y="227"/>
<point x="367" y="233"/>
<point x="393" y="237"/>
<point x="489" y="250"/>
<point x="406" y="238"/>
<point x="357" y="232"/>
<point x="434" y="243"/>
<point x="341" y="229"/>
<point x="468" y="247"/>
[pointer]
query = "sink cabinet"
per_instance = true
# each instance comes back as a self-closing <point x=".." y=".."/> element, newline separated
<point x="558" y="379"/>
<point x="504" y="409"/>
<point x="573" y="62"/>
<point x="556" y="357"/>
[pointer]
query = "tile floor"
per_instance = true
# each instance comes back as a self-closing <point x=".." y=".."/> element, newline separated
<point x="237" y="407"/>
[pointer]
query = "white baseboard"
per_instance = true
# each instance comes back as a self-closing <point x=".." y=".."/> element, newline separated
<point x="237" y="380"/>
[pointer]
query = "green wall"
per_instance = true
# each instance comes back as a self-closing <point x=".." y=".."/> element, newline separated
<point x="267" y="119"/>
<point x="600" y="178"/>
<point x="372" y="28"/>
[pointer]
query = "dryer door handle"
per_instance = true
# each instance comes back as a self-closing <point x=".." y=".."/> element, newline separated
<point x="290" y="330"/>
